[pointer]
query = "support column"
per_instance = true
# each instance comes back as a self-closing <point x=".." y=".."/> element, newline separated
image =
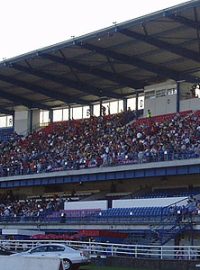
<point x="125" y="104"/>
<point x="91" y="110"/>
<point x="178" y="97"/>
<point x="69" y="113"/>
<point x="26" y="121"/>
<point x="22" y="122"/>
<point x="50" y="116"/>
<point x="101" y="108"/>
<point x="136" y="104"/>
<point x="34" y="120"/>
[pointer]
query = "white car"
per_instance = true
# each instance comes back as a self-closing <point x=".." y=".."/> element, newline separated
<point x="71" y="258"/>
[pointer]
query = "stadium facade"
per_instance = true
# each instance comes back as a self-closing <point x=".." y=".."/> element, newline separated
<point x="147" y="71"/>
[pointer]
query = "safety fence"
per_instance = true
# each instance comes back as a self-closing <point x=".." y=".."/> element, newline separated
<point x="102" y="250"/>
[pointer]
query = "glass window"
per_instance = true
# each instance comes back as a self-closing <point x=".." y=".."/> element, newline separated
<point x="131" y="103"/>
<point x="65" y="114"/>
<point x="113" y="107"/>
<point x="171" y="91"/>
<point x="141" y="102"/>
<point x="44" y="117"/>
<point x="39" y="249"/>
<point x="105" y="108"/>
<point x="55" y="248"/>
<point x="77" y="113"/>
<point x="57" y="115"/>
<point x="9" y="119"/>
<point x="150" y="94"/>
<point x="96" y="109"/>
<point x="86" y="112"/>
<point x="6" y="121"/>
<point x="120" y="106"/>
<point x="3" y="121"/>
<point x="161" y="93"/>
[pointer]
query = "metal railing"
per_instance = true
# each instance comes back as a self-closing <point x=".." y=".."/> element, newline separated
<point x="98" y="249"/>
<point x="16" y="168"/>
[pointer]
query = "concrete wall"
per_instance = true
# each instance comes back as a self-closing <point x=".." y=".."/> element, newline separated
<point x="153" y="202"/>
<point x="160" y="105"/>
<point x="190" y="104"/>
<point x="22" y="122"/>
<point x="85" y="205"/>
<point x="29" y="263"/>
<point x="35" y="119"/>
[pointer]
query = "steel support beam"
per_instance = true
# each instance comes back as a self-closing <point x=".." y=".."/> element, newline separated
<point x="87" y="88"/>
<point x="6" y="111"/>
<point x="162" y="45"/>
<point x="117" y="78"/>
<point x="23" y="101"/>
<point x="185" y="21"/>
<point x="137" y="62"/>
<point x="42" y="90"/>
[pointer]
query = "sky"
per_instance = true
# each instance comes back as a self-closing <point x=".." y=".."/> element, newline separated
<point x="27" y="25"/>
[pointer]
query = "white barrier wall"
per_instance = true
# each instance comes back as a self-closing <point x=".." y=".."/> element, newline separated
<point x="85" y="205"/>
<point x="29" y="263"/>
<point x="153" y="202"/>
<point x="21" y="232"/>
<point x="190" y="104"/>
<point x="160" y="98"/>
<point x="22" y="122"/>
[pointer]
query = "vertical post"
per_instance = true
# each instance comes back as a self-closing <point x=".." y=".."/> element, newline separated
<point x="69" y="113"/>
<point x="189" y="253"/>
<point x="178" y="97"/>
<point x="30" y="124"/>
<point x="125" y="104"/>
<point x="136" y="104"/>
<point x="136" y="251"/>
<point x="161" y="252"/>
<point x="100" y="107"/>
<point x="91" y="110"/>
<point x="51" y="116"/>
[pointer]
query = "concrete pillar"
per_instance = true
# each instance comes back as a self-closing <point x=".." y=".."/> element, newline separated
<point x="101" y="111"/>
<point x="50" y="116"/>
<point x="136" y="104"/>
<point x="26" y="121"/>
<point x="22" y="122"/>
<point x="125" y="104"/>
<point x="178" y="97"/>
<point x="35" y="119"/>
<point x="91" y="110"/>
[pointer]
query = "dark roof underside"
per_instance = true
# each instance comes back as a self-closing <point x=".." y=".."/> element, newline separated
<point x="112" y="63"/>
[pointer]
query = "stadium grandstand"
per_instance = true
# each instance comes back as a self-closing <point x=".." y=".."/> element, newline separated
<point x="100" y="135"/>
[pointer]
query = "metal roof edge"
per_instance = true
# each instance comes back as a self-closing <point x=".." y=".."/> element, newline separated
<point x="98" y="33"/>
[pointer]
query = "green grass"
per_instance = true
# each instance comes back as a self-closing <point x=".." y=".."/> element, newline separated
<point x="94" y="267"/>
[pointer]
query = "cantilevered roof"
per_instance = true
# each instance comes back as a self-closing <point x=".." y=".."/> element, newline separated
<point x="111" y="63"/>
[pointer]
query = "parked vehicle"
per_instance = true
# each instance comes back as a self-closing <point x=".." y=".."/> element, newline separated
<point x="71" y="258"/>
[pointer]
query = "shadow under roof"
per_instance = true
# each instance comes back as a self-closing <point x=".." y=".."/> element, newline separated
<point x="112" y="63"/>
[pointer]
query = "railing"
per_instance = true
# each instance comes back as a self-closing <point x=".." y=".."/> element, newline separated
<point x="16" y="169"/>
<point x="84" y="220"/>
<point x="97" y="249"/>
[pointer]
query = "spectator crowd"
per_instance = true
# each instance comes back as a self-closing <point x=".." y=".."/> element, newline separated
<point x="12" y="208"/>
<point x="102" y="141"/>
